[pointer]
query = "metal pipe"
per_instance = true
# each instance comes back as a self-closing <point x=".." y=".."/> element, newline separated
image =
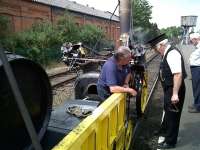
<point x="124" y="14"/>
<point x="88" y="59"/>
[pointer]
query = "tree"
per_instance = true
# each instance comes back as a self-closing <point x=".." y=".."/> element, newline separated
<point x="141" y="15"/>
<point x="91" y="35"/>
<point x="172" y="32"/>
<point x="66" y="29"/>
<point x="5" y="28"/>
<point x="141" y="11"/>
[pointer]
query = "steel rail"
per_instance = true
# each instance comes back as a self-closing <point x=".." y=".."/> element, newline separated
<point x="59" y="84"/>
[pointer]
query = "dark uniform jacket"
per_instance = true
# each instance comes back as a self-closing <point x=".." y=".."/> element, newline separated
<point x="166" y="75"/>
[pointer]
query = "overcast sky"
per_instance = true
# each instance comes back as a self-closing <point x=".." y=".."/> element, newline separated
<point x="165" y="12"/>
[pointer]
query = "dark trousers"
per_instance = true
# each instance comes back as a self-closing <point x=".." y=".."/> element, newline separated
<point x="171" y="118"/>
<point x="195" y="71"/>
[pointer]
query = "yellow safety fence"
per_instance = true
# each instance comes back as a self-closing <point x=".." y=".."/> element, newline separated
<point x="103" y="130"/>
<point x="144" y="94"/>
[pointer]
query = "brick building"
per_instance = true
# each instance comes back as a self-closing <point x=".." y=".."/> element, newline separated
<point x="23" y="13"/>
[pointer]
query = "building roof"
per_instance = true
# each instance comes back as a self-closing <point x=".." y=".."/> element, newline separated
<point x="73" y="6"/>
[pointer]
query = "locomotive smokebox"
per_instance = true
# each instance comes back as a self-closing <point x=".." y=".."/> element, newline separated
<point x="35" y="88"/>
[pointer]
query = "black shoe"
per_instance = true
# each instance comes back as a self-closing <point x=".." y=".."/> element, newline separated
<point x="193" y="110"/>
<point x="164" y="145"/>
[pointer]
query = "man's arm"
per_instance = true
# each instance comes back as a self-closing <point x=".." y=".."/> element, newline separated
<point x="174" y="61"/>
<point x="120" y="89"/>
<point x="125" y="88"/>
<point x="177" y="79"/>
<point x="127" y="80"/>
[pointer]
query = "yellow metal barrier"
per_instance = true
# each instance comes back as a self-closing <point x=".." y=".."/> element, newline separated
<point x="103" y="130"/>
<point x="144" y="93"/>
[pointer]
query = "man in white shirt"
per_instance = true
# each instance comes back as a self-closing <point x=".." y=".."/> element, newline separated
<point x="195" y="71"/>
<point x="172" y="75"/>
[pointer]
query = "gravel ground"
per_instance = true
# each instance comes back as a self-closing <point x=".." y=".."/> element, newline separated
<point x="63" y="93"/>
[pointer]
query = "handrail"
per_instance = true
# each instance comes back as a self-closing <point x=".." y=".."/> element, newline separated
<point x="102" y="130"/>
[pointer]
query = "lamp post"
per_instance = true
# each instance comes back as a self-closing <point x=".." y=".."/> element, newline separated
<point x="187" y="22"/>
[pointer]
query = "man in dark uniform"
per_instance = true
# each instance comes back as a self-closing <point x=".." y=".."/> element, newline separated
<point x="172" y="75"/>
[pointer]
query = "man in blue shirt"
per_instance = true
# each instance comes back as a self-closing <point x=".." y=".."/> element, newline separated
<point x="115" y="74"/>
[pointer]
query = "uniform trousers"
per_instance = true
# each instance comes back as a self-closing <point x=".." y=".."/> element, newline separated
<point x="172" y="118"/>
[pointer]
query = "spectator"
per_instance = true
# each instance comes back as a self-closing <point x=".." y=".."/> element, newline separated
<point x="195" y="71"/>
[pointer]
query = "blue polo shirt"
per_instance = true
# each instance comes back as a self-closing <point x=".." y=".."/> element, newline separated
<point x="111" y="75"/>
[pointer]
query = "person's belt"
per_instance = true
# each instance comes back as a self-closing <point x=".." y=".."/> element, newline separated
<point x="194" y="66"/>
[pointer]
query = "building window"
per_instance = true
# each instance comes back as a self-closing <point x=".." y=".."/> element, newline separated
<point x="106" y="29"/>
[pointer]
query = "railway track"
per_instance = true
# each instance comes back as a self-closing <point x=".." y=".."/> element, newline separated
<point x="153" y="71"/>
<point x="153" y="75"/>
<point x="67" y="76"/>
<point x="62" y="78"/>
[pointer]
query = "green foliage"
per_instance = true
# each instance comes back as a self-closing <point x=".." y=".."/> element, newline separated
<point x="141" y="13"/>
<point x="4" y="26"/>
<point x="42" y="41"/>
<point x="90" y="35"/>
<point x="172" y="31"/>
<point x="143" y="28"/>
<point x="67" y="30"/>
<point x="36" y="43"/>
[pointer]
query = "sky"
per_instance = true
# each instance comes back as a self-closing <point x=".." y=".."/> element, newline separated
<point x="165" y="13"/>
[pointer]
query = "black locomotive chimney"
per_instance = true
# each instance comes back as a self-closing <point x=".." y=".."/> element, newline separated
<point x="124" y="13"/>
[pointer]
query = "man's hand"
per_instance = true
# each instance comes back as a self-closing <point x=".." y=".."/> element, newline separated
<point x="177" y="83"/>
<point x="132" y="91"/>
<point x="119" y="89"/>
